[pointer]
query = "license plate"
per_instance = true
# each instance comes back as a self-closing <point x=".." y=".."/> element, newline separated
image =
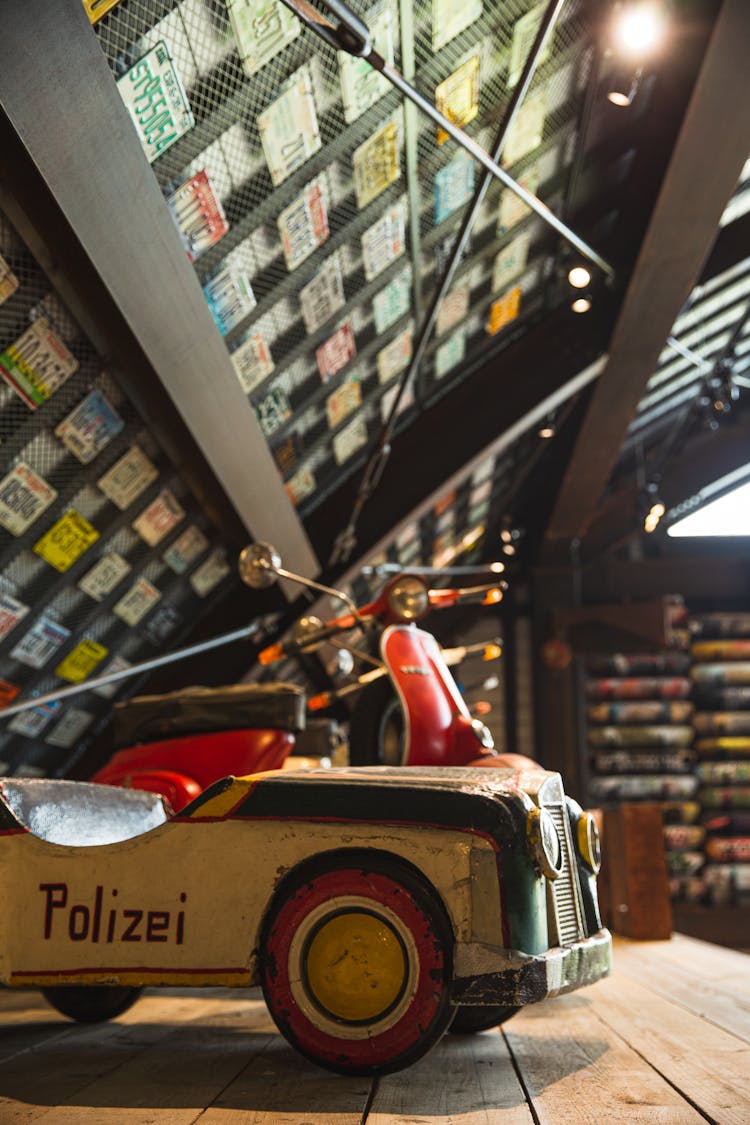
<point x="261" y="29"/>
<point x="454" y="186"/>
<point x="323" y="295"/>
<point x="388" y="399"/>
<point x="383" y="242"/>
<point x="344" y="400"/>
<point x="393" y="358"/>
<point x="210" y="573"/>
<point x="230" y="298"/>
<point x="458" y="96"/>
<point x="524" y="33"/>
<point x="24" y="495"/>
<point x="81" y="661"/>
<point x="301" y="485"/>
<point x="128" y="478"/>
<point x="289" y="127"/>
<point x="185" y="549"/>
<point x="351" y="439"/>
<point x="70" y="727"/>
<point x="453" y="308"/>
<point x="116" y="664"/>
<point x="11" y="612"/>
<point x="450" y="17"/>
<point x="140" y="598"/>
<point x="8" y="281"/>
<point x="42" y="640"/>
<point x="303" y="225"/>
<point x="90" y="427"/>
<point x="104" y="576"/>
<point x="512" y="209"/>
<point x="198" y="213"/>
<point x="338" y="350"/>
<point x="37" y="364"/>
<point x="510" y="261"/>
<point x="377" y="163"/>
<point x="8" y="692"/>
<point x="158" y="519"/>
<point x="272" y="411"/>
<point x="156" y="101"/>
<point x="528" y="128"/>
<point x="450" y="353"/>
<point x="66" y="540"/>
<point x="504" y="310"/>
<point x="392" y="302"/>
<point x="33" y="721"/>
<point x="361" y="84"/>
<point x="252" y="361"/>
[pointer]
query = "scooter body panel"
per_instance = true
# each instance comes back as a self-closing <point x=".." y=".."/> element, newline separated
<point x="437" y="724"/>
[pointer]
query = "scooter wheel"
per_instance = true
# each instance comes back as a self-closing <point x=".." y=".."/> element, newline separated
<point x="376" y="728"/>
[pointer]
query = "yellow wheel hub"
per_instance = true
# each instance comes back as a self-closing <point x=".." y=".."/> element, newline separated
<point x="355" y="966"/>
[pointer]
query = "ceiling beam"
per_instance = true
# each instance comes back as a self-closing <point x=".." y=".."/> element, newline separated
<point x="706" y="163"/>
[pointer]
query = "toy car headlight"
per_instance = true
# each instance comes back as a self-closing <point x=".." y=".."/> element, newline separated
<point x="545" y="842"/>
<point x="408" y="598"/>
<point x="589" y="846"/>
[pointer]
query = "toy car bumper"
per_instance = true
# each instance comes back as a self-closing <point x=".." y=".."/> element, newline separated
<point x="485" y="974"/>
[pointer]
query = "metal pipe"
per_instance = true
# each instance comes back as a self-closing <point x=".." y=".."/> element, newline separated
<point x="134" y="670"/>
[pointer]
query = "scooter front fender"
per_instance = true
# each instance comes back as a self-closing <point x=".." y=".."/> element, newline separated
<point x="437" y="725"/>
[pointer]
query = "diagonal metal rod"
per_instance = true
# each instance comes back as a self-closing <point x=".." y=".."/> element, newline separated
<point x="134" y="670"/>
<point x="347" y="539"/>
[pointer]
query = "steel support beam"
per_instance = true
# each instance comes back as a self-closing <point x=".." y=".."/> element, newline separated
<point x="76" y="130"/>
<point x="705" y="165"/>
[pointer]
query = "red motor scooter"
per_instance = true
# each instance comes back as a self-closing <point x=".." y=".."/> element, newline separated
<point x="409" y="711"/>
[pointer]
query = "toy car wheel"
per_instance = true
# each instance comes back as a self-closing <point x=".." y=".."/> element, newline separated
<point x="91" y="1003"/>
<point x="471" y="1018"/>
<point x="357" y="961"/>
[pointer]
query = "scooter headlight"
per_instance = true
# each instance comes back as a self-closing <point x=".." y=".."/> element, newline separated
<point x="589" y="845"/>
<point x="408" y="598"/>
<point x="545" y="842"/>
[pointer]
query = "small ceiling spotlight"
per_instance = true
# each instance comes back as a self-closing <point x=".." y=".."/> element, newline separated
<point x="652" y="507"/>
<point x="582" y="304"/>
<point x="638" y="29"/>
<point x="508" y="549"/>
<point x="579" y="277"/>
<point x="497" y="567"/>
<point x="623" y="86"/>
<point x="546" y="430"/>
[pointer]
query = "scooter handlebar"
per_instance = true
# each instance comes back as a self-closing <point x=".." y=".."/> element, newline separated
<point x="308" y="642"/>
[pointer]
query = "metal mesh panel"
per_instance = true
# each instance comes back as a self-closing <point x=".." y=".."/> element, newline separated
<point x="62" y="616"/>
<point x="310" y="375"/>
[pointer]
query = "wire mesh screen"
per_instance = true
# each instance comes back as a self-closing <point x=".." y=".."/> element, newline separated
<point x="320" y="209"/>
<point x="105" y="557"/>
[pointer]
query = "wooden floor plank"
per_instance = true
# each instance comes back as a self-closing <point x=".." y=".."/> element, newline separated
<point x="710" y="1066"/>
<point x="75" y="1077"/>
<point x="577" y="1070"/>
<point x="717" y="963"/>
<point x="465" y="1080"/>
<point x="725" y="1003"/>
<point x="278" y="1087"/>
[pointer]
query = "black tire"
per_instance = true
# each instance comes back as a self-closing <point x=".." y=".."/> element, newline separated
<point x="93" y="1003"/>
<point x="376" y="728"/>
<point x="356" y="965"/>
<point x="471" y="1018"/>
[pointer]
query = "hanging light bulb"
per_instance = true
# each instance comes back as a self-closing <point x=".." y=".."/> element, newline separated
<point x="579" y="277"/>
<point x="638" y="29"/>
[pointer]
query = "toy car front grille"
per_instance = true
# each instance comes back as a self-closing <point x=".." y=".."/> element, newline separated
<point x="564" y="889"/>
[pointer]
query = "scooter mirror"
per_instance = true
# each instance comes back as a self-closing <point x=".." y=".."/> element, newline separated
<point x="258" y="565"/>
